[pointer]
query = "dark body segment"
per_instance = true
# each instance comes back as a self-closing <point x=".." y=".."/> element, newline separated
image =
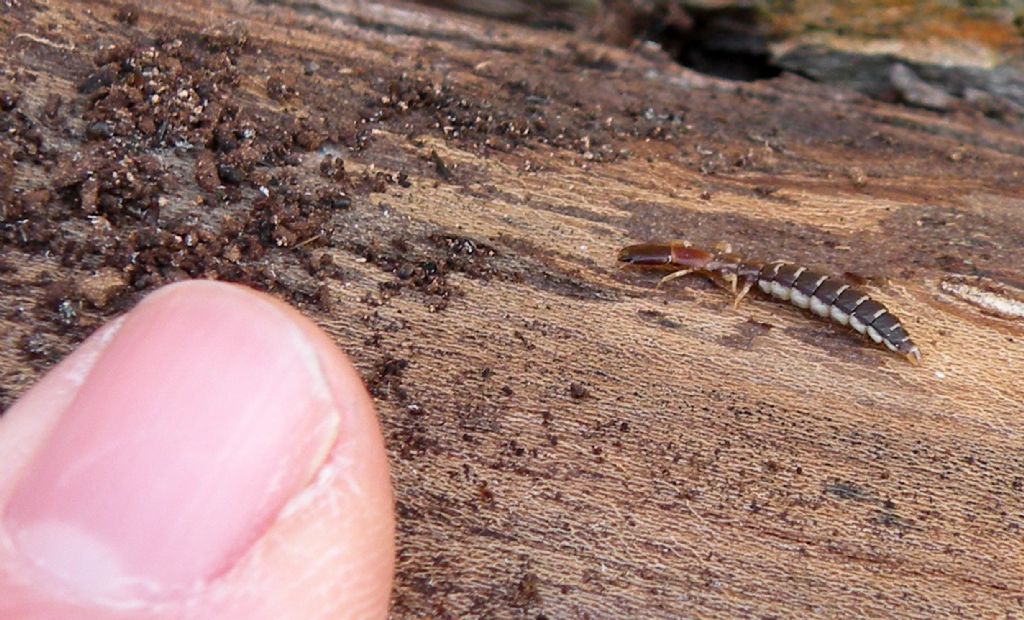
<point x="888" y="326"/>
<point x="865" y="314"/>
<point x="809" y="281"/>
<point x="767" y="276"/>
<point x="781" y="284"/>
<point x="888" y="330"/>
<point x="804" y="288"/>
<point x="787" y="275"/>
<point x="829" y="291"/>
<point x="848" y="301"/>
<point x="825" y="295"/>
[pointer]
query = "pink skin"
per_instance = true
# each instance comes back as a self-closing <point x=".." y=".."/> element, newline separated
<point x="211" y="454"/>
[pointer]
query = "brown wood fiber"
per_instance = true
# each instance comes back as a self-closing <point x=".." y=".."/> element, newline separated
<point x="566" y="441"/>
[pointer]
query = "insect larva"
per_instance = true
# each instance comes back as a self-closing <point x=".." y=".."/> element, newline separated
<point x="826" y="297"/>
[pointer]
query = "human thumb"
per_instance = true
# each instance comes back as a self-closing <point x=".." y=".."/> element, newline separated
<point x="211" y="454"/>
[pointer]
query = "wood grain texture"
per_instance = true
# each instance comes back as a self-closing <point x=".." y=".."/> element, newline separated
<point x="565" y="440"/>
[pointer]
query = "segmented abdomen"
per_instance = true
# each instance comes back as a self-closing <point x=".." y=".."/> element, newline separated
<point x="835" y="300"/>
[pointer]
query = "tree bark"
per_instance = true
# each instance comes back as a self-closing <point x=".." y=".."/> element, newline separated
<point x="445" y="195"/>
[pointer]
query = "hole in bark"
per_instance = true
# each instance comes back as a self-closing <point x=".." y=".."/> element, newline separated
<point x="726" y="42"/>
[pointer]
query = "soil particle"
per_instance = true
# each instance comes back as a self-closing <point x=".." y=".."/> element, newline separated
<point x="127" y="15"/>
<point x="578" y="391"/>
<point x="51" y="109"/>
<point x="339" y="201"/>
<point x="99" y="130"/>
<point x="440" y="167"/>
<point x="279" y="90"/>
<point x="43" y="348"/>
<point x="426" y="266"/>
<point x="230" y="175"/>
<point x="8" y="101"/>
<point x="206" y="171"/>
<point x="406" y="271"/>
<point x="333" y="168"/>
<point x="100" y="288"/>
<point x="6" y="177"/>
<point x="309" y="139"/>
<point x="385" y="381"/>
<point x="527" y="592"/>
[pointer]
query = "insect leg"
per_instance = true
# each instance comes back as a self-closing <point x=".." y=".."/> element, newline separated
<point x="743" y="293"/>
<point x="730" y="279"/>
<point x="673" y="276"/>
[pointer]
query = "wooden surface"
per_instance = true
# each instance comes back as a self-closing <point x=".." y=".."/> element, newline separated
<point x="566" y="441"/>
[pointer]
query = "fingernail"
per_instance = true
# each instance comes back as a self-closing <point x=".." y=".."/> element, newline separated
<point x="204" y="414"/>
